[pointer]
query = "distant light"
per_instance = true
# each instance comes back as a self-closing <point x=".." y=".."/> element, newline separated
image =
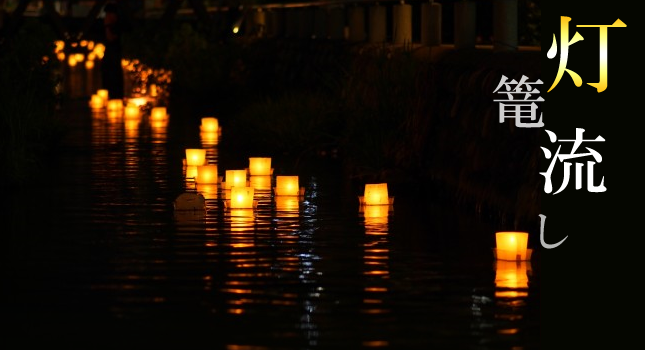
<point x="236" y="30"/>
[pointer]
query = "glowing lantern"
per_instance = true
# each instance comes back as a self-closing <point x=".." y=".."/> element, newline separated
<point x="260" y="182"/>
<point x="132" y="111"/>
<point x="235" y="178"/>
<point x="153" y="90"/>
<point x="103" y="93"/>
<point x="158" y="113"/>
<point x="376" y="194"/>
<point x="511" y="279"/>
<point x="209" y="124"/>
<point x="80" y="57"/>
<point x="60" y="56"/>
<point x="83" y="43"/>
<point x="195" y="156"/>
<point x="96" y="102"/>
<point x="90" y="45"/>
<point x="138" y="101"/>
<point x="242" y="197"/>
<point x="259" y="166"/>
<point x="71" y="61"/>
<point x="512" y="246"/>
<point x="89" y="64"/>
<point x="287" y="186"/>
<point x="60" y="45"/>
<point x="115" y="105"/>
<point x="373" y="213"/>
<point x="206" y="174"/>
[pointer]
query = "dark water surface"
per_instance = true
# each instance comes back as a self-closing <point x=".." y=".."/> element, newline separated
<point x="97" y="253"/>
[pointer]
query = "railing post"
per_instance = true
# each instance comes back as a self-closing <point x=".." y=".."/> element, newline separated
<point x="377" y="24"/>
<point x="402" y="23"/>
<point x="357" y="24"/>
<point x="465" y="21"/>
<point x="431" y="24"/>
<point x="505" y="25"/>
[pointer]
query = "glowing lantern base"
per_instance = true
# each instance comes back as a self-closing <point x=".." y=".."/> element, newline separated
<point x="512" y="246"/>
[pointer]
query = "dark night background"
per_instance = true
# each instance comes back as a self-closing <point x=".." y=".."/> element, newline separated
<point x="589" y="286"/>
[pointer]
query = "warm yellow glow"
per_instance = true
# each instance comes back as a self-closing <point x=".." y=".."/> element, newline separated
<point x="132" y="112"/>
<point x="287" y="186"/>
<point x="83" y="43"/>
<point x="259" y="166"/>
<point x="60" y="45"/>
<point x="191" y="171"/>
<point x="209" y="191"/>
<point x="260" y="182"/>
<point x="287" y="203"/>
<point x="376" y="214"/>
<point x="138" y="101"/>
<point x="236" y="29"/>
<point x="512" y="245"/>
<point x="206" y="174"/>
<point x="80" y="57"/>
<point x="153" y="90"/>
<point x="104" y="94"/>
<point x="131" y="128"/>
<point x="209" y="138"/>
<point x="125" y="62"/>
<point x="158" y="113"/>
<point x="90" y="45"/>
<point x="91" y="56"/>
<point x="235" y="178"/>
<point x="97" y="102"/>
<point x="99" y="50"/>
<point x="74" y="44"/>
<point x="195" y="156"/>
<point x="242" y="197"/>
<point x="60" y="56"/>
<point x="376" y="194"/>
<point x="511" y="278"/>
<point x="209" y="124"/>
<point x="71" y="61"/>
<point x="159" y="125"/>
<point x="115" y="105"/>
<point x="89" y="64"/>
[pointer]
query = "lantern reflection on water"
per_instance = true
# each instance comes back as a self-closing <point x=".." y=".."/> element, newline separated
<point x="260" y="182"/>
<point x="511" y="278"/>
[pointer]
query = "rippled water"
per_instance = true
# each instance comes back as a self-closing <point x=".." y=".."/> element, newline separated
<point x="99" y="250"/>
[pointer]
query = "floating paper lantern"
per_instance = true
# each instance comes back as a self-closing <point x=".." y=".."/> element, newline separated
<point x="511" y="279"/>
<point x="235" y="178"/>
<point x="115" y="105"/>
<point x="206" y="174"/>
<point x="242" y="197"/>
<point x="512" y="246"/>
<point x="60" y="45"/>
<point x="259" y="166"/>
<point x="96" y="102"/>
<point x="89" y="64"/>
<point x="60" y="56"/>
<point x="287" y="186"/>
<point x="376" y="194"/>
<point x="195" y="156"/>
<point x="104" y="94"/>
<point x="132" y="111"/>
<point x="80" y="57"/>
<point x="153" y="90"/>
<point x="71" y="61"/>
<point x="209" y="124"/>
<point x="158" y="113"/>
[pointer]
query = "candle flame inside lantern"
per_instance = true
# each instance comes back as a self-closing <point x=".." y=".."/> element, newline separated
<point x="376" y="194"/>
<point x="104" y="94"/>
<point x="195" y="156"/>
<point x="242" y="197"/>
<point x="96" y="102"/>
<point x="259" y="166"/>
<point x="235" y="178"/>
<point x="209" y="124"/>
<point x="206" y="174"/>
<point x="512" y="246"/>
<point x="287" y="186"/>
